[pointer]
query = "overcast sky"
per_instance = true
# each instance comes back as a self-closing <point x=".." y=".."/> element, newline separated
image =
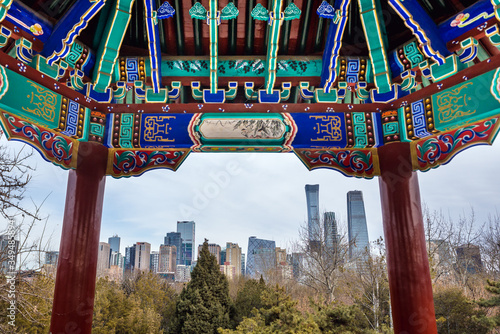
<point x="234" y="196"/>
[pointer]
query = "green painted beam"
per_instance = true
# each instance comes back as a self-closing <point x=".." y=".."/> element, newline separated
<point x="376" y="40"/>
<point x="111" y="43"/>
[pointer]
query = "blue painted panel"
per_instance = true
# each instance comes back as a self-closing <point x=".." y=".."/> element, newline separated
<point x="28" y="21"/>
<point x="320" y="130"/>
<point x="163" y="131"/>
<point x="470" y="18"/>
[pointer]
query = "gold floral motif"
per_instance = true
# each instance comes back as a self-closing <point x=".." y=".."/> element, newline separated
<point x="45" y="102"/>
<point x="453" y="104"/>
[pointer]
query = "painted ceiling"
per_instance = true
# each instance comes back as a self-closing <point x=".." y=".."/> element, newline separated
<point x="331" y="81"/>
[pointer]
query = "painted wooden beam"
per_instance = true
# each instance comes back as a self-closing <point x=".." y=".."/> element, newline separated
<point x="375" y="39"/>
<point x="423" y="28"/>
<point x="111" y="43"/>
<point x="275" y="21"/>
<point x="70" y="27"/>
<point x="333" y="44"/>
<point x="213" y="21"/>
<point x="153" y="44"/>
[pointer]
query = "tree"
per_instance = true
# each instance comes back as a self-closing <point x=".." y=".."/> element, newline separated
<point x="248" y="299"/>
<point x="278" y="314"/>
<point x="369" y="288"/>
<point x="494" y="288"/>
<point x="490" y="246"/>
<point x="456" y="314"/>
<point x="204" y="304"/>
<point x="323" y="258"/>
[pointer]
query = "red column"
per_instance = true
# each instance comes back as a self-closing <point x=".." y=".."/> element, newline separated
<point x="76" y="270"/>
<point x="407" y="263"/>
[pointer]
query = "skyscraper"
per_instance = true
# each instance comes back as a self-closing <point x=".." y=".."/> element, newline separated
<point x="114" y="243"/>
<point x="331" y="233"/>
<point x="154" y="259"/>
<point x="243" y="271"/>
<point x="129" y="259"/>
<point x="142" y="256"/>
<point x="313" y="223"/>
<point x="356" y="225"/>
<point x="186" y="229"/>
<point x="214" y="249"/>
<point x="261" y="257"/>
<point x="175" y="239"/>
<point x="168" y="259"/>
<point x="103" y="258"/>
<point x="233" y="256"/>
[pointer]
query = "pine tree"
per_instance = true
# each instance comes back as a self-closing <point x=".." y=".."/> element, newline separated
<point x="204" y="304"/>
<point x="494" y="288"/>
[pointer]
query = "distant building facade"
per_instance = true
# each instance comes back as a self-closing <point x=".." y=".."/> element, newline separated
<point x="214" y="249"/>
<point x="167" y="259"/>
<point x="183" y="273"/>
<point x="52" y="257"/>
<point x="330" y="230"/>
<point x="154" y="261"/>
<point x="233" y="257"/>
<point x="243" y="262"/>
<point x="469" y="258"/>
<point x="175" y="239"/>
<point x="142" y="256"/>
<point x="313" y="222"/>
<point x="261" y="257"/>
<point x="129" y="262"/>
<point x="114" y="243"/>
<point x="187" y="231"/>
<point x="357" y="227"/>
<point x="103" y="258"/>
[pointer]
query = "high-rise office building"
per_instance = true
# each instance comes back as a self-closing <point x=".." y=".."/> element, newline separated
<point x="114" y="243"/>
<point x="116" y="259"/>
<point x="129" y="259"/>
<point x="313" y="222"/>
<point x="186" y="229"/>
<point x="330" y="233"/>
<point x="167" y="259"/>
<point x="222" y="255"/>
<point x="154" y="261"/>
<point x="233" y="256"/>
<point x="175" y="239"/>
<point x="261" y="257"/>
<point x="243" y="265"/>
<point x="214" y="249"/>
<point x="103" y="256"/>
<point x="356" y="224"/>
<point x="142" y="256"/>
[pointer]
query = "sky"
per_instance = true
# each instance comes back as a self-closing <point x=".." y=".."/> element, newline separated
<point x="232" y="196"/>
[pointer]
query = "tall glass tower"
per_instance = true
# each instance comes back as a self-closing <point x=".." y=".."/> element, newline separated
<point x="186" y="229"/>
<point x="261" y="256"/>
<point x="313" y="223"/>
<point x="330" y="233"/>
<point x="356" y="225"/>
<point x="114" y="243"/>
<point x="175" y="239"/>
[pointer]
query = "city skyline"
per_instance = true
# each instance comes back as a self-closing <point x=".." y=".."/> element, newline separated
<point x="262" y="196"/>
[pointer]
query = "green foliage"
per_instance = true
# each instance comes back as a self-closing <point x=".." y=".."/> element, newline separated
<point x="455" y="314"/>
<point x="278" y="314"/>
<point x="333" y="319"/>
<point x="146" y="308"/>
<point x="248" y="298"/>
<point x="204" y="304"/>
<point x="494" y="288"/>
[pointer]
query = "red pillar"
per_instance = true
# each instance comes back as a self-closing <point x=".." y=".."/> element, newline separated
<point x="407" y="263"/>
<point x="76" y="270"/>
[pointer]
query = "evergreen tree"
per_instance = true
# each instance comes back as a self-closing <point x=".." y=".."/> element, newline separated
<point x="249" y="298"/>
<point x="494" y="288"/>
<point x="204" y="304"/>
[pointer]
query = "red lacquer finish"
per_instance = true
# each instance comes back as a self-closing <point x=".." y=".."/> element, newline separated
<point x="76" y="271"/>
<point x="407" y="262"/>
